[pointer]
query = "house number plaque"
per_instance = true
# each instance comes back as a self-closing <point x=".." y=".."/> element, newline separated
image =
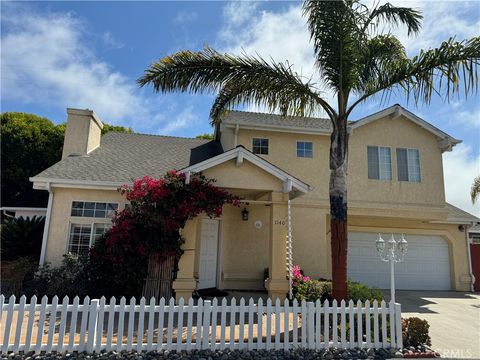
<point x="279" y="222"/>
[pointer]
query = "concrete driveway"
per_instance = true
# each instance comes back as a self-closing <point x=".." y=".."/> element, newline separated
<point x="454" y="319"/>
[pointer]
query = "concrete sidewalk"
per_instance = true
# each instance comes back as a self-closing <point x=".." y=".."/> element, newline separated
<point x="454" y="319"/>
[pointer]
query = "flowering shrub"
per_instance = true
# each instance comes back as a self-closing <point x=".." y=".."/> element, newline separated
<point x="150" y="226"/>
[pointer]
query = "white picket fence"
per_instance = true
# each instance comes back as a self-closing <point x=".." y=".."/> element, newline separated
<point x="96" y="325"/>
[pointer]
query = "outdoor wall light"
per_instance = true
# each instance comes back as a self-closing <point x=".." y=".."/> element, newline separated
<point x="245" y="214"/>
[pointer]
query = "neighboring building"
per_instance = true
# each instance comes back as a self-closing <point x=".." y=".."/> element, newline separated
<point x="25" y="212"/>
<point x="395" y="185"/>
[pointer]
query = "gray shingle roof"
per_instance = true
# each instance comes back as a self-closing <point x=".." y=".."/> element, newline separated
<point x="259" y="119"/>
<point x="456" y="213"/>
<point x="123" y="157"/>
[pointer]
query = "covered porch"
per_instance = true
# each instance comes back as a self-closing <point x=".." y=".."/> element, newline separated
<point x="246" y="249"/>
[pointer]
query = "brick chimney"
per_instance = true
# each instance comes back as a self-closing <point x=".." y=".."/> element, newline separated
<point x="82" y="134"/>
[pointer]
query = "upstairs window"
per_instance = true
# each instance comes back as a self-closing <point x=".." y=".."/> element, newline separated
<point x="304" y="149"/>
<point x="408" y="165"/>
<point x="93" y="209"/>
<point x="379" y="163"/>
<point x="260" y="146"/>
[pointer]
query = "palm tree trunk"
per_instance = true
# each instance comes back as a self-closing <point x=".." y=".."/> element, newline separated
<point x="338" y="208"/>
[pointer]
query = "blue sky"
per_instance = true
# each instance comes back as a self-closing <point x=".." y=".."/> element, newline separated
<point x="88" y="55"/>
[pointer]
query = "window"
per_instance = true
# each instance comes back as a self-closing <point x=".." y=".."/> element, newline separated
<point x="93" y="209"/>
<point x="81" y="237"/>
<point x="379" y="163"/>
<point x="304" y="149"/>
<point x="260" y="146"/>
<point x="408" y="165"/>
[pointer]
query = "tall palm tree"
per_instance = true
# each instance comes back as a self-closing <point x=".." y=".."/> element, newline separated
<point x="475" y="190"/>
<point x="353" y="58"/>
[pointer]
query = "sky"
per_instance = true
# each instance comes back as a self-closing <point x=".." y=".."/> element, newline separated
<point x="88" y="54"/>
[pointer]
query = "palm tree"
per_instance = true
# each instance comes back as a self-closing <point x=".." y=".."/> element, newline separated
<point x="353" y="58"/>
<point x="475" y="190"/>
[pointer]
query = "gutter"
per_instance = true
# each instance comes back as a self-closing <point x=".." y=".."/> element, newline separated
<point x="469" y="257"/>
<point x="47" y="224"/>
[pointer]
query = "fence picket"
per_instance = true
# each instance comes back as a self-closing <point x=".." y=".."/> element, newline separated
<point x="8" y="323"/>
<point x="181" y="305"/>
<point x="277" y="324"/>
<point x="213" y="342"/>
<point x="376" y="340"/>
<point x="286" y="324"/>
<point x="198" y="337"/>
<point x="269" y="325"/>
<point x="233" y="309"/>
<point x="343" y="324"/>
<point x="207" y="331"/>
<point x="73" y="324"/>
<point x="334" y="320"/>
<point x="121" y="323"/>
<point x="188" y="340"/>
<point x="171" y="305"/>
<point x="295" y="323"/>
<point x="18" y="329"/>
<point x="223" y="323"/>
<point x="260" y="324"/>
<point x="111" y="320"/>
<point x="2" y="301"/>
<point x="318" y="323"/>
<point x="251" y="307"/>
<point x="161" y="319"/>
<point x="141" y="321"/>
<point x="384" y="323"/>
<point x="311" y="325"/>
<point x="31" y="319"/>
<point x="41" y="324"/>
<point x="83" y="326"/>
<point x="391" y="307"/>
<point x="99" y="328"/>
<point x="359" y="324"/>
<point x="131" y="319"/>
<point x="63" y="324"/>
<point x="368" y="335"/>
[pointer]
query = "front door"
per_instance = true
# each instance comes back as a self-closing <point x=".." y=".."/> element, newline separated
<point x="208" y="254"/>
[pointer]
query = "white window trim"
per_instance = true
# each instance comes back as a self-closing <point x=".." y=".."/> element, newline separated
<point x="92" y="231"/>
<point x="378" y="154"/>
<point x="261" y="138"/>
<point x="296" y="149"/>
<point x="408" y="174"/>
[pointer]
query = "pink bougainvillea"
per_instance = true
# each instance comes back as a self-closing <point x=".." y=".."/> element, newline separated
<point x="151" y="225"/>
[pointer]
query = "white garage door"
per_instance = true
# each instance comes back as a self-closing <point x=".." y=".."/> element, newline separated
<point x="426" y="265"/>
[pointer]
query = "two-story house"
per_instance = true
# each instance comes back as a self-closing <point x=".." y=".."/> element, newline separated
<point x="278" y="166"/>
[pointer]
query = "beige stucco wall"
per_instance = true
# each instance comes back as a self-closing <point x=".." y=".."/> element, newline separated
<point x="60" y="217"/>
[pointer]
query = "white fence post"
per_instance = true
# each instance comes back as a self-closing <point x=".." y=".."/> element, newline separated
<point x="92" y="325"/>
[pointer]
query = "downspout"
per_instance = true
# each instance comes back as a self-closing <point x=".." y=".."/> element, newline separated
<point x="469" y="257"/>
<point x="289" y="248"/>
<point x="47" y="224"/>
<point x="235" y="138"/>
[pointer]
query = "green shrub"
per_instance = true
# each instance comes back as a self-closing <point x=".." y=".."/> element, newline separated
<point x="310" y="290"/>
<point x="362" y="292"/>
<point x="22" y="238"/>
<point x="415" y="332"/>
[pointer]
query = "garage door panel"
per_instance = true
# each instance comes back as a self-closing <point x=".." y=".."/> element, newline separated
<point x="426" y="265"/>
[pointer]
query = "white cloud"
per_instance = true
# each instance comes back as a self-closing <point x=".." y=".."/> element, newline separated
<point x="183" y="119"/>
<point x="46" y="59"/>
<point x="460" y="167"/>
<point x="183" y="17"/>
<point x="111" y="42"/>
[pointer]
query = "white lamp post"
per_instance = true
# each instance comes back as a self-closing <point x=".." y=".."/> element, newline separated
<point x="393" y="252"/>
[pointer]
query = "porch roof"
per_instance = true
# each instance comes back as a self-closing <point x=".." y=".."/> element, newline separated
<point x="291" y="184"/>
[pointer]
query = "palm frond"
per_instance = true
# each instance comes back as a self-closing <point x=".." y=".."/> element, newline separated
<point x="475" y="190"/>
<point x="254" y="80"/>
<point x="437" y="71"/>
<point x="396" y="16"/>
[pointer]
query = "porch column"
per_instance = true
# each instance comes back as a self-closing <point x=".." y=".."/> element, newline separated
<point x="277" y="284"/>
<point x="185" y="283"/>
